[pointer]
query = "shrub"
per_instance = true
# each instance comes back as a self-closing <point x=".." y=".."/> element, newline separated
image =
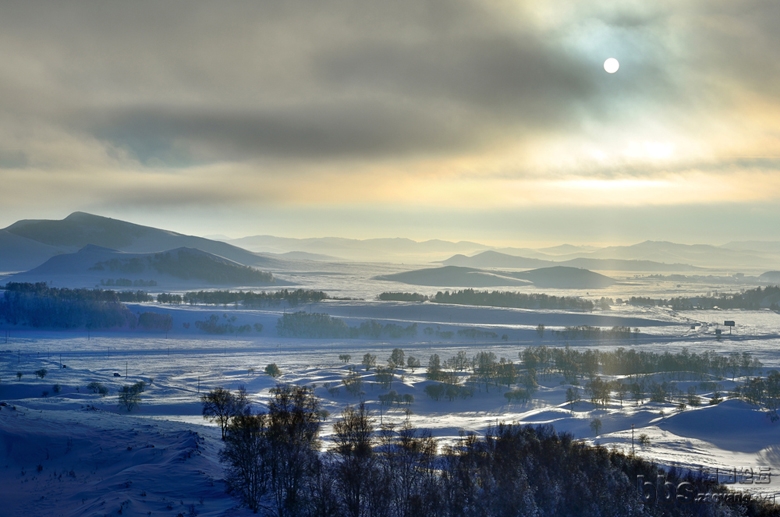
<point x="273" y="370"/>
<point x="56" y="388"/>
<point x="41" y="373"/>
<point x="96" y="387"/>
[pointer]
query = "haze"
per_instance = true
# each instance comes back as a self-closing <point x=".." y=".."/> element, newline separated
<point x="460" y="119"/>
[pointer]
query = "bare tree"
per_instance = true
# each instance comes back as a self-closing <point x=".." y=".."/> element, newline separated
<point x="219" y="405"/>
<point x="245" y="447"/>
<point x="130" y="395"/>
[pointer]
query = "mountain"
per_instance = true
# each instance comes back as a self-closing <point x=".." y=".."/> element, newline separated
<point x="759" y="246"/>
<point x="369" y="250"/>
<point x="95" y="265"/>
<point x="564" y="249"/>
<point x="703" y="255"/>
<point x="19" y="253"/>
<point x="770" y="277"/>
<point x="495" y="259"/>
<point x="454" y="276"/>
<point x="28" y="243"/>
<point x="561" y="277"/>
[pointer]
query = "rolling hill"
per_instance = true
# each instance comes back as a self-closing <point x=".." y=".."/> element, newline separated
<point x="95" y="265"/>
<point x="29" y="243"/>
<point x="562" y="277"/>
<point x="454" y="276"/>
<point x="496" y="259"/>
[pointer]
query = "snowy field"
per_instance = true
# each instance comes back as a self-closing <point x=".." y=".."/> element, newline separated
<point x="74" y="452"/>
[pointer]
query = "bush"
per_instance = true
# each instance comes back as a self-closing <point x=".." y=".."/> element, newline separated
<point x="56" y="388"/>
<point x="155" y="321"/>
<point x="273" y="370"/>
<point x="41" y="373"/>
<point x="96" y="387"/>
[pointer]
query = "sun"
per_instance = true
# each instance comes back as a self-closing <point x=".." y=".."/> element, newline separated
<point x="611" y="65"/>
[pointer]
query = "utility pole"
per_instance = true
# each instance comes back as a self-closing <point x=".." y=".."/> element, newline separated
<point x="632" y="439"/>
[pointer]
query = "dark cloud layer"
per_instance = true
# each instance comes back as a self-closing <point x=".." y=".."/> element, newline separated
<point x="304" y="79"/>
<point x="117" y="99"/>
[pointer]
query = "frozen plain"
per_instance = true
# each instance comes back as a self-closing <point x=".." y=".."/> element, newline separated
<point x="96" y="458"/>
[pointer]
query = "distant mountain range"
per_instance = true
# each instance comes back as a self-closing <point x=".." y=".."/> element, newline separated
<point x="27" y="244"/>
<point x="368" y="250"/>
<point x="493" y="259"/>
<point x="648" y="256"/>
<point x="558" y="277"/>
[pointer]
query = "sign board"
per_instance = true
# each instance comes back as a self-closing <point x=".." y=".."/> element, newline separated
<point x="728" y="323"/>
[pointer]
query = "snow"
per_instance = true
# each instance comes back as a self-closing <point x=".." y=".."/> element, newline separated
<point x="96" y="458"/>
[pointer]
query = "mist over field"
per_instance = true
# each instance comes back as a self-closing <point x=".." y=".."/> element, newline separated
<point x="118" y="341"/>
<point x="439" y="257"/>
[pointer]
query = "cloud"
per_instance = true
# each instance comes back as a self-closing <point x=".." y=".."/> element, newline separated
<point x="451" y="103"/>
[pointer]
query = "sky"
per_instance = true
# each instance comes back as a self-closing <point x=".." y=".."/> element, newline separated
<point x="484" y="120"/>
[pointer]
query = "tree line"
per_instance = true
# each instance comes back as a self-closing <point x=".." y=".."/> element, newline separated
<point x="751" y="299"/>
<point x="318" y="325"/>
<point x="274" y="465"/>
<point x="245" y="298"/>
<point x="41" y="306"/>
<point x="572" y="363"/>
<point x="495" y="299"/>
<point x="461" y="375"/>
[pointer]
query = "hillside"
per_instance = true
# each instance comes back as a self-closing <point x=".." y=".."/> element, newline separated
<point x="496" y="259"/>
<point x="95" y="265"/>
<point x="380" y="249"/>
<point x="454" y="276"/>
<point x="28" y="243"/>
<point x="561" y="277"/>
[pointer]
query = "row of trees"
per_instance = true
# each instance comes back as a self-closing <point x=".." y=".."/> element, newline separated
<point x="274" y="465"/>
<point x="317" y="325"/>
<point x="126" y="282"/>
<point x="227" y="325"/>
<point x="763" y="392"/>
<point x="573" y="364"/>
<point x="245" y="298"/>
<point x="751" y="299"/>
<point x="597" y="333"/>
<point x="41" y="306"/>
<point x="495" y="299"/>
<point x="461" y="375"/>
